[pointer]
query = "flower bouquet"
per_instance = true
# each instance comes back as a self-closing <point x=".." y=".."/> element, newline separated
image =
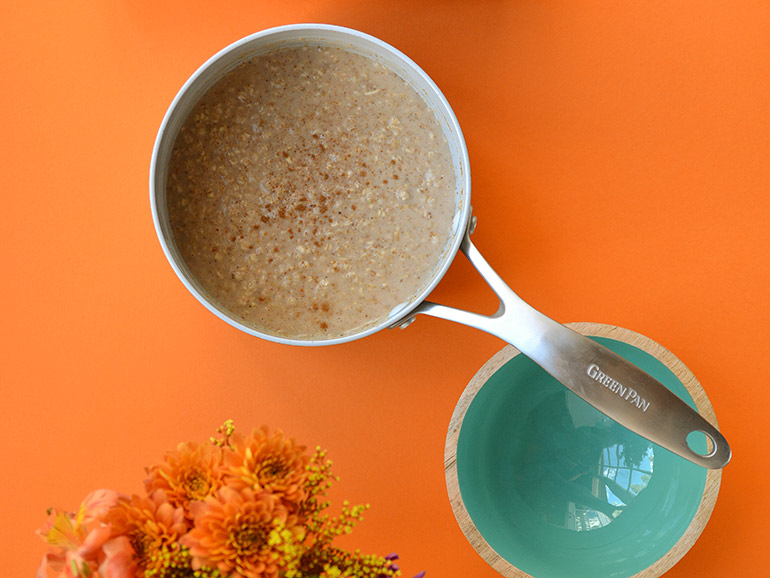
<point x="241" y="506"/>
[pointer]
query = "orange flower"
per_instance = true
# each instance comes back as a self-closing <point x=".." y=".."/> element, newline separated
<point x="272" y="463"/>
<point x="152" y="526"/>
<point x="118" y="560"/>
<point x="189" y="473"/>
<point x="76" y="539"/>
<point x="232" y="533"/>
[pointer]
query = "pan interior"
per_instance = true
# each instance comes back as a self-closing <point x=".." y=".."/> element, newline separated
<point x="319" y="35"/>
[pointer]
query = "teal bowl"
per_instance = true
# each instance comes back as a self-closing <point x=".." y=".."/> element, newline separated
<point x="544" y="485"/>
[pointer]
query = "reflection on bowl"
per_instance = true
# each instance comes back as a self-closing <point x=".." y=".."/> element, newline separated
<point x="545" y="485"/>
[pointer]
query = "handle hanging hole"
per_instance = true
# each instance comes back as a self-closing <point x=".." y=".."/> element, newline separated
<point x="701" y="443"/>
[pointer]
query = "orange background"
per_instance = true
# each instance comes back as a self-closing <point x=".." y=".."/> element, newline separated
<point x="620" y="154"/>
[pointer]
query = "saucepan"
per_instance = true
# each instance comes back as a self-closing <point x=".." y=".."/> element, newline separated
<point x="605" y="380"/>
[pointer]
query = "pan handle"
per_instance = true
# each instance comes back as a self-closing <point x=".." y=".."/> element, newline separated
<point x="604" y="379"/>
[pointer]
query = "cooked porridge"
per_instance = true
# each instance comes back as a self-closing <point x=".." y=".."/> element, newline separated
<point x="310" y="192"/>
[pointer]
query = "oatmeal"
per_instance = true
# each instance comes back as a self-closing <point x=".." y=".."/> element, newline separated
<point x="310" y="192"/>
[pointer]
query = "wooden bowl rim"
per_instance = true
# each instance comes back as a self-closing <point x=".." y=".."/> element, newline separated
<point x="682" y="372"/>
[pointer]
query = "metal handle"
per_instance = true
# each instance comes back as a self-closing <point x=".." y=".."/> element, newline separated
<point x="604" y="379"/>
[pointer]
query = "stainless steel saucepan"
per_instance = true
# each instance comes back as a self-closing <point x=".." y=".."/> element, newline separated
<point x="605" y="380"/>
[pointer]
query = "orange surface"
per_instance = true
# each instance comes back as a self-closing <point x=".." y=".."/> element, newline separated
<point x="621" y="169"/>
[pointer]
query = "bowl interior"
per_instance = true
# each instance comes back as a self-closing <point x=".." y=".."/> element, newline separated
<point x="558" y="489"/>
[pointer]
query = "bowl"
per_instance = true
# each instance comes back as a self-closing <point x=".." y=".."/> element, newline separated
<point x="544" y="485"/>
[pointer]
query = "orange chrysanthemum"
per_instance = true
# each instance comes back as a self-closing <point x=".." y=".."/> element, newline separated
<point x="232" y="533"/>
<point x="191" y="472"/>
<point x="269" y="462"/>
<point x="152" y="526"/>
